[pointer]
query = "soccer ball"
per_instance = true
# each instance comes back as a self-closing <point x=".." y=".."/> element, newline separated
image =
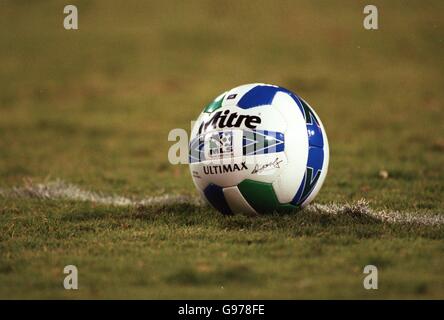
<point x="258" y="148"/>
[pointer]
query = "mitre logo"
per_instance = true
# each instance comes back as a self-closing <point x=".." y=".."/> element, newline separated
<point x="225" y="119"/>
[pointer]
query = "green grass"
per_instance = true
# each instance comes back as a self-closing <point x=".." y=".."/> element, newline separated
<point x="94" y="107"/>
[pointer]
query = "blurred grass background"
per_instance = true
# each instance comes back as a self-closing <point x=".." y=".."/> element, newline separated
<point x="94" y="106"/>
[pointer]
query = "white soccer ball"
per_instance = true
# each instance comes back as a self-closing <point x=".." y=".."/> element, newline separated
<point x="258" y="148"/>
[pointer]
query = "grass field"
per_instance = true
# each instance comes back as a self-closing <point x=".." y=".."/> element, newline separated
<point x="85" y="115"/>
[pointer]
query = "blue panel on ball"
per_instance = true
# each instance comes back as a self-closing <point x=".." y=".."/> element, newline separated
<point x="311" y="176"/>
<point x="315" y="152"/>
<point x="258" y="96"/>
<point x="216" y="198"/>
<point x="263" y="95"/>
<point x="315" y="158"/>
<point x="315" y="136"/>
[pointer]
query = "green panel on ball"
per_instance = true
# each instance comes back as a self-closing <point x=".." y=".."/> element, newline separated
<point x="216" y="104"/>
<point x="261" y="196"/>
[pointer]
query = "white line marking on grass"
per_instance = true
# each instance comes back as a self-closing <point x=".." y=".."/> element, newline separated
<point x="362" y="208"/>
<point x="58" y="189"/>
